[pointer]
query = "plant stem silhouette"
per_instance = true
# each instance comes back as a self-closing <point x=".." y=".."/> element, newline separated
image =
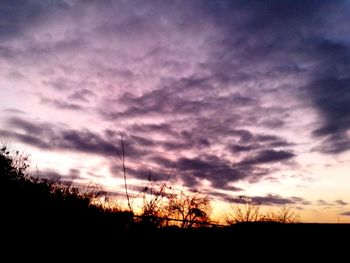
<point x="123" y="166"/>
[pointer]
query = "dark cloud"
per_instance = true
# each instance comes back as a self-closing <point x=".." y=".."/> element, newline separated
<point x="163" y="162"/>
<point x="340" y="202"/>
<point x="268" y="156"/>
<point x="300" y="200"/>
<point x="27" y="126"/>
<point x="163" y="128"/>
<point x="28" y="139"/>
<point x="280" y="39"/>
<point x="267" y="138"/>
<point x="54" y="137"/>
<point x="330" y="204"/>
<point x="78" y="89"/>
<point x="46" y="136"/>
<point x="82" y="95"/>
<point x="216" y="170"/>
<point x="278" y="200"/>
<point x="213" y="88"/>
<point x="266" y="200"/>
<point x="141" y="141"/>
<point x="334" y="143"/>
<point x="54" y="175"/>
<point x="18" y="16"/>
<point x="186" y="96"/>
<point x="242" y="148"/>
<point x="192" y="171"/>
<point x="90" y="142"/>
<point x="61" y="104"/>
<point x="273" y="123"/>
<point x="147" y="172"/>
<point x="323" y="202"/>
<point x="175" y="140"/>
<point x="256" y="42"/>
<point x="14" y="111"/>
<point x="269" y="199"/>
<point x="151" y="174"/>
<point x="347" y="213"/>
<point x="252" y="143"/>
<point x="184" y="143"/>
<point x="72" y="176"/>
<point x="332" y="98"/>
<point x="85" y="141"/>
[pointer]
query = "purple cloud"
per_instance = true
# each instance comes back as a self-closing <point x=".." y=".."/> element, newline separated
<point x="218" y="89"/>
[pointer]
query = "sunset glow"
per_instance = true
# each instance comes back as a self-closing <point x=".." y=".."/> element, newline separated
<point x="241" y="98"/>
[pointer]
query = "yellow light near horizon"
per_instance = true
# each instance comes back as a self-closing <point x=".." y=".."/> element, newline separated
<point x="326" y="186"/>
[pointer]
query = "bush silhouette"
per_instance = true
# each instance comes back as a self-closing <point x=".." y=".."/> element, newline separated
<point x="248" y="211"/>
<point x="37" y="206"/>
<point x="192" y="209"/>
<point x="57" y="214"/>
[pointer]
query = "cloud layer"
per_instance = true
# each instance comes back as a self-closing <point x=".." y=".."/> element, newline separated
<point x="216" y="89"/>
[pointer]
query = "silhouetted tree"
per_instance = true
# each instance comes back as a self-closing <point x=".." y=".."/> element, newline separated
<point x="284" y="215"/>
<point x="193" y="209"/>
<point x="245" y="210"/>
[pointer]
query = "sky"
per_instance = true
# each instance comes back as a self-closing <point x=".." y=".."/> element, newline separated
<point x="241" y="98"/>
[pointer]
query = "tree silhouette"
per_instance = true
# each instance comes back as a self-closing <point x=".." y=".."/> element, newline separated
<point x="284" y="215"/>
<point x="193" y="209"/>
<point x="246" y="210"/>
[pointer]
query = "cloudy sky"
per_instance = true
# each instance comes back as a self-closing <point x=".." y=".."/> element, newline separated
<point x="244" y="98"/>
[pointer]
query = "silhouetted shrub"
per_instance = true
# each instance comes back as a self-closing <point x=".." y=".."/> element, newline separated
<point x="35" y="206"/>
<point x="245" y="210"/>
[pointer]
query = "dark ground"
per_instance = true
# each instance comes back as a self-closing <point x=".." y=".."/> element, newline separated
<point x="47" y="220"/>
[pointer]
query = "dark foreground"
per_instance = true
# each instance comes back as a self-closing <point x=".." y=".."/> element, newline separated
<point x="139" y="240"/>
<point x="55" y="222"/>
